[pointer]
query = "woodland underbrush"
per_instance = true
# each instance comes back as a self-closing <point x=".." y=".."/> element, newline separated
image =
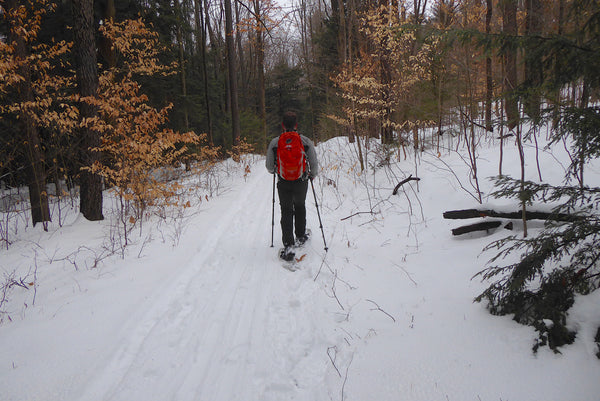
<point x="129" y="227"/>
<point x="536" y="272"/>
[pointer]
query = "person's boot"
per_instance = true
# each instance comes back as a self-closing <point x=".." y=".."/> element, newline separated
<point x="287" y="254"/>
<point x="302" y="239"/>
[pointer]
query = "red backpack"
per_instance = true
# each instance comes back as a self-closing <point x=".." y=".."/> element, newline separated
<point x="291" y="158"/>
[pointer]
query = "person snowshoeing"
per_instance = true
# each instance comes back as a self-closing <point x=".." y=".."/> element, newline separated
<point x="294" y="159"/>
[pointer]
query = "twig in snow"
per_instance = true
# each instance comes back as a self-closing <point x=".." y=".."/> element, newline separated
<point x="407" y="274"/>
<point x="333" y="291"/>
<point x="381" y="310"/>
<point x="320" y="267"/>
<point x="35" y="280"/>
<point x="355" y="214"/>
<point x="368" y="222"/>
<point x="147" y="240"/>
<point x="334" y="348"/>
<point x="346" y="376"/>
<point x="324" y="263"/>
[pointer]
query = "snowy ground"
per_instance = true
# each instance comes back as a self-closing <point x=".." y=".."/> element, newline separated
<point x="203" y="310"/>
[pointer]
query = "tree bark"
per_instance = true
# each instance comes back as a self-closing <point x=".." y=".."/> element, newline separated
<point x="232" y="67"/>
<point x="38" y="196"/>
<point x="342" y="43"/>
<point x="260" y="66"/>
<point x="182" y="75"/>
<point x="105" y="46"/>
<point x="404" y="181"/>
<point x="201" y="44"/>
<point x="242" y="69"/>
<point x="509" y="26"/>
<point x="489" y="88"/>
<point x="419" y="8"/>
<point x="87" y="84"/>
<point x="533" y="66"/>
<point x="214" y="40"/>
<point x="531" y="215"/>
<point x="483" y="226"/>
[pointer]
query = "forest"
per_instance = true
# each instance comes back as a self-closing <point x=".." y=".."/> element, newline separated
<point x="110" y="94"/>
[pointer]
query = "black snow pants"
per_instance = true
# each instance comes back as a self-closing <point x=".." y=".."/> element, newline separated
<point x="292" y="195"/>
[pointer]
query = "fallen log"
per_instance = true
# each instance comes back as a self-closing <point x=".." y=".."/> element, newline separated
<point x="529" y="215"/>
<point x="404" y="181"/>
<point x="483" y="226"/>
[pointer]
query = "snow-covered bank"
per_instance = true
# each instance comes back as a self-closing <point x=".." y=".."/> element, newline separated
<point x="386" y="314"/>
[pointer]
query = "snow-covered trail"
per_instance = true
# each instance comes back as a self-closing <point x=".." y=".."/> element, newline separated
<point x="225" y="327"/>
<point x="387" y="315"/>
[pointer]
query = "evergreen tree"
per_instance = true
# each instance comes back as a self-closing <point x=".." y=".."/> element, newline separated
<point x="563" y="260"/>
<point x="284" y="92"/>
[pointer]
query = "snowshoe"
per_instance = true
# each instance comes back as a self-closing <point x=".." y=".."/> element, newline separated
<point x="302" y="240"/>
<point x="287" y="254"/>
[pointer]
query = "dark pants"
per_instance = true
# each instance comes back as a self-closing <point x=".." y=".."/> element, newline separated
<point x="292" y="195"/>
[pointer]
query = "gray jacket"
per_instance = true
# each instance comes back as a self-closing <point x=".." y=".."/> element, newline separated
<point x="311" y="156"/>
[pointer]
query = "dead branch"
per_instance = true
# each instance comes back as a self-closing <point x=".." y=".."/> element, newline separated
<point x="320" y="267"/>
<point x="530" y="215"/>
<point x="475" y="123"/>
<point x="333" y="360"/>
<point x="381" y="310"/>
<point x="346" y="376"/>
<point x="483" y="226"/>
<point x="404" y="181"/>
<point x="333" y="291"/>
<point x="407" y="274"/>
<point x="355" y="214"/>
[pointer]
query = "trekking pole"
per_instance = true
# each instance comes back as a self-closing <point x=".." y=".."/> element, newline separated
<point x="318" y="214"/>
<point x="273" y="212"/>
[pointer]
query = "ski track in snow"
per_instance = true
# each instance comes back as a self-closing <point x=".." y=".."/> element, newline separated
<point x="224" y="324"/>
<point x="388" y="315"/>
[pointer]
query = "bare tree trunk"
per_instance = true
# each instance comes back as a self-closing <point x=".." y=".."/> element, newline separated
<point x="419" y="7"/>
<point x="533" y="66"/>
<point x="201" y="44"/>
<point x="38" y="197"/>
<point x="523" y="199"/>
<point x="501" y="159"/>
<point x="105" y="46"/>
<point x="509" y="25"/>
<point x="260" y="66"/>
<point x="232" y="67"/>
<point x="489" y="88"/>
<point x="342" y="42"/>
<point x="87" y="84"/>
<point x="214" y="40"/>
<point x="353" y="129"/>
<point x="557" y="96"/>
<point x="306" y="30"/>
<point x="242" y="70"/>
<point x="182" y="76"/>
<point x="561" y="16"/>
